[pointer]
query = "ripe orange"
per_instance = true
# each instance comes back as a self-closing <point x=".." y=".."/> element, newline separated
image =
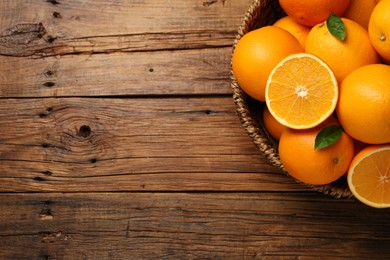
<point x="298" y="30"/>
<point x="303" y="162"/>
<point x="312" y="12"/>
<point x="273" y="127"/>
<point x="379" y="29"/>
<point x="360" y="11"/>
<point x="301" y="91"/>
<point x="255" y="55"/>
<point x="364" y="104"/>
<point x="369" y="176"/>
<point x="343" y="57"/>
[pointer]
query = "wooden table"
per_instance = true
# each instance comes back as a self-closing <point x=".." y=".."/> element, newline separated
<point x="119" y="140"/>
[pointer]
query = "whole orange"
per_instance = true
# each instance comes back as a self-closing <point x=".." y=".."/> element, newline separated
<point x="298" y="30"/>
<point x="304" y="163"/>
<point x="360" y="11"/>
<point x="312" y="12"/>
<point x="257" y="53"/>
<point x="364" y="104"/>
<point x="379" y="29"/>
<point x="343" y="57"/>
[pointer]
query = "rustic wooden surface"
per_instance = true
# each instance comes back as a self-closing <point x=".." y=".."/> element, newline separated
<point x="119" y="140"/>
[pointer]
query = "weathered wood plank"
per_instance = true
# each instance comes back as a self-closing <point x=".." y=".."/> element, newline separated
<point x="87" y="144"/>
<point x="40" y="45"/>
<point x="190" y="226"/>
<point x="202" y="71"/>
<point x="156" y="28"/>
<point x="77" y="130"/>
<point x="150" y="174"/>
<point x="74" y="19"/>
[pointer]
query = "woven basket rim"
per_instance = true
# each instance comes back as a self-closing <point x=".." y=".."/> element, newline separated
<point x="254" y="128"/>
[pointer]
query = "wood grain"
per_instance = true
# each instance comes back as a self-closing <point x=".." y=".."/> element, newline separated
<point x="87" y="144"/>
<point x="191" y="72"/>
<point x="190" y="226"/>
<point x="117" y="48"/>
<point x="74" y="19"/>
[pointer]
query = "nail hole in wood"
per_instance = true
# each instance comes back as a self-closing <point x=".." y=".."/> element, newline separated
<point x="45" y="212"/>
<point x="54" y="2"/>
<point x="151" y="70"/>
<point x="51" y="39"/>
<point x="38" y="179"/>
<point x="42" y="115"/>
<point x="49" y="84"/>
<point x="47" y="173"/>
<point x="48" y="73"/>
<point x="209" y="2"/>
<point x="57" y="15"/>
<point x="45" y="145"/>
<point x="85" y="131"/>
<point x="93" y="160"/>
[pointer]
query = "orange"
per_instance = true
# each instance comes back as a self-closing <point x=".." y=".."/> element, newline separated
<point x="379" y="29"/>
<point x="256" y="54"/>
<point x="304" y="163"/>
<point x="273" y="127"/>
<point x="369" y="176"/>
<point x="298" y="30"/>
<point x="343" y="57"/>
<point x="364" y="104"/>
<point x="360" y="11"/>
<point x="301" y="91"/>
<point x="312" y="12"/>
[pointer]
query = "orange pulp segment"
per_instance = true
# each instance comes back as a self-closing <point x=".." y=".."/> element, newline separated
<point x="369" y="176"/>
<point x="301" y="91"/>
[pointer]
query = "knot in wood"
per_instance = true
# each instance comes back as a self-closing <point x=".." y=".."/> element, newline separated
<point x="22" y="33"/>
<point x="84" y="131"/>
<point x="19" y="39"/>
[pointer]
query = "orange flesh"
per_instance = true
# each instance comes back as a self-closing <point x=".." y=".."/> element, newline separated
<point x="371" y="177"/>
<point x="302" y="93"/>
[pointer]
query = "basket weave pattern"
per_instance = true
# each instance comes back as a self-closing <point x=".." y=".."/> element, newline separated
<point x="262" y="13"/>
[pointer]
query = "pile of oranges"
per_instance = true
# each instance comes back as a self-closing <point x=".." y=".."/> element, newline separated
<point x="323" y="74"/>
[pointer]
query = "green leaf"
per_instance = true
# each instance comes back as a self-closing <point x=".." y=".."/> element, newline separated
<point x="336" y="26"/>
<point x="328" y="136"/>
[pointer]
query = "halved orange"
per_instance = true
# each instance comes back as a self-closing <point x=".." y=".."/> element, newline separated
<point x="301" y="91"/>
<point x="369" y="176"/>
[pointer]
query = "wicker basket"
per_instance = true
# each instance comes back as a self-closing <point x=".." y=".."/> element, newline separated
<point x="262" y="13"/>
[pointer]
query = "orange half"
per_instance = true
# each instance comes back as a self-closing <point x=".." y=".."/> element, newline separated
<point x="369" y="176"/>
<point x="301" y="91"/>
